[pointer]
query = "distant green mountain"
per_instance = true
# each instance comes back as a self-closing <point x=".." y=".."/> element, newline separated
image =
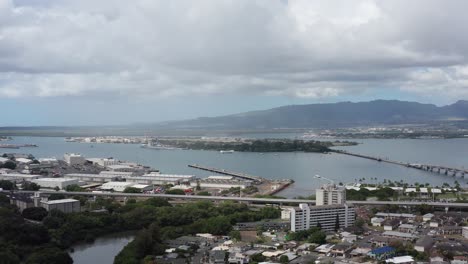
<point x="332" y="115"/>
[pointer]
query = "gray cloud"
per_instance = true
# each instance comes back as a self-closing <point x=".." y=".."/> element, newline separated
<point x="306" y="49"/>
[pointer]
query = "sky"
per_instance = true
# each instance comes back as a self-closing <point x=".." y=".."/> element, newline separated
<point x="106" y="62"/>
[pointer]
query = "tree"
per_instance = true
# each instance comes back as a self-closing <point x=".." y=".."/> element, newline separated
<point x="284" y="259"/>
<point x="73" y="188"/>
<point x="35" y="213"/>
<point x="235" y="235"/>
<point x="337" y="222"/>
<point x="132" y="190"/>
<point x="359" y="222"/>
<point x="8" y="257"/>
<point x="9" y="165"/>
<point x="56" y="196"/>
<point x="30" y="186"/>
<point x="52" y="255"/>
<point x="7" y="185"/>
<point x="258" y="257"/>
<point x="317" y="237"/>
<point x="176" y="191"/>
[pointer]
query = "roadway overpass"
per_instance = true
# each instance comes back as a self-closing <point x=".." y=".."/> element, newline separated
<point x="244" y="199"/>
<point x="408" y="203"/>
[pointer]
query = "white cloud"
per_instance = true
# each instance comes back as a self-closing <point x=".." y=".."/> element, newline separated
<point x="307" y="49"/>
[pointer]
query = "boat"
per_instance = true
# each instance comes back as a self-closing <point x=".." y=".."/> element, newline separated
<point x="157" y="146"/>
<point x="226" y="151"/>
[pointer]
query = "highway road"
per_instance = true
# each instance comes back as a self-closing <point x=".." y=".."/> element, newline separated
<point x="247" y="199"/>
<point x="437" y="204"/>
<point x="175" y="196"/>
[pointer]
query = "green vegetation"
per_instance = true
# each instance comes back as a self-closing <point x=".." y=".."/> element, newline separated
<point x="8" y="165"/>
<point x="382" y="194"/>
<point x="200" y="217"/>
<point x="204" y="193"/>
<point x="30" y="186"/>
<point x="34" y="213"/>
<point x="74" y="188"/>
<point x="132" y="190"/>
<point x="270" y="145"/>
<point x="7" y="185"/>
<point x="312" y="235"/>
<point x="175" y="191"/>
<point x="25" y="242"/>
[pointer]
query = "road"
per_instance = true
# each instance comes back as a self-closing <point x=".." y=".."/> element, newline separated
<point x="248" y="199"/>
<point x="175" y="196"/>
<point x="436" y="204"/>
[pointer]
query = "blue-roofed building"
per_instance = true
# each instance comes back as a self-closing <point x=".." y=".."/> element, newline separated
<point x="382" y="253"/>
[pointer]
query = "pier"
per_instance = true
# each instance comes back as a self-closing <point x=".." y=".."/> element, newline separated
<point x="226" y="172"/>
<point x="444" y="170"/>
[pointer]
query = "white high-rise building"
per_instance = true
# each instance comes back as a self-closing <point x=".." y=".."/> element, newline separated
<point x="330" y="194"/>
<point x="74" y="159"/>
<point x="330" y="208"/>
<point x="326" y="216"/>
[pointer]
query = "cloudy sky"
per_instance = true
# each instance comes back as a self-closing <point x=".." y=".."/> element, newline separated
<point x="86" y="62"/>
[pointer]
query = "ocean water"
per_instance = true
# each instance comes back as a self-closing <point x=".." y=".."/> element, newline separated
<point x="301" y="167"/>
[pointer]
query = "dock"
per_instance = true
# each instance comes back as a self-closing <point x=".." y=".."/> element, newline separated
<point x="226" y="172"/>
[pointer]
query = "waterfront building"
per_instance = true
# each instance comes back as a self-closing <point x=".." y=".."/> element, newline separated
<point x="325" y="216"/>
<point x="103" y="162"/>
<point x="74" y="159"/>
<point x="220" y="182"/>
<point x="87" y="177"/>
<point x="160" y="179"/>
<point x="116" y="186"/>
<point x="330" y="194"/>
<point x="117" y="173"/>
<point x="64" y="205"/>
<point x="18" y="177"/>
<point x="49" y="161"/>
<point x="52" y="183"/>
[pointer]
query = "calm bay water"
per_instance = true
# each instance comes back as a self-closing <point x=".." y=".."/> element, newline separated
<point x="298" y="166"/>
<point x="102" y="251"/>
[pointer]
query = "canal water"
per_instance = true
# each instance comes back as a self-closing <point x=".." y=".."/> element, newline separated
<point x="103" y="250"/>
<point x="301" y="167"/>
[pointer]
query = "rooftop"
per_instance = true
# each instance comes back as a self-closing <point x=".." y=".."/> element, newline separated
<point x="382" y="250"/>
<point x="55" y="179"/>
<point x="60" y="201"/>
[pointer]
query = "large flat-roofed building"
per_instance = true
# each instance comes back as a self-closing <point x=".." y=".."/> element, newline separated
<point x="326" y="216"/>
<point x="117" y="173"/>
<point x="64" y="205"/>
<point x="52" y="183"/>
<point x="103" y="162"/>
<point x="220" y="183"/>
<point x="330" y="194"/>
<point x="93" y="177"/>
<point x="18" y="177"/>
<point x="116" y="186"/>
<point x="160" y="179"/>
<point x="74" y="159"/>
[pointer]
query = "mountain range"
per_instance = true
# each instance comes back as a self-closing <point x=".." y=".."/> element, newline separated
<point x="330" y="115"/>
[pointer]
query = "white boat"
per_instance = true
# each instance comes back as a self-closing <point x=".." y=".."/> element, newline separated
<point x="226" y="151"/>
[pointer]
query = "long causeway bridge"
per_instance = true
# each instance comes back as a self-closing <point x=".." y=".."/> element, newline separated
<point x="445" y="170"/>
